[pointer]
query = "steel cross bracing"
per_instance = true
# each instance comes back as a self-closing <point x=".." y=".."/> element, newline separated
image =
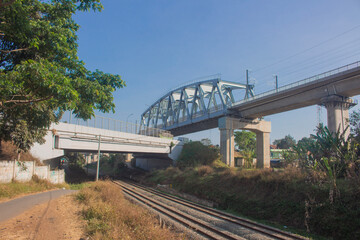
<point x="196" y="101"/>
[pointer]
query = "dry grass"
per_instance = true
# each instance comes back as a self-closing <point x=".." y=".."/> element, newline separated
<point x="14" y="189"/>
<point x="276" y="196"/>
<point x="205" y="170"/>
<point x="9" y="152"/>
<point x="283" y="196"/>
<point x="110" y="216"/>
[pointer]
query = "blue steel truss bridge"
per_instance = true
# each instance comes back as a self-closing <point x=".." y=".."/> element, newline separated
<point x="205" y="100"/>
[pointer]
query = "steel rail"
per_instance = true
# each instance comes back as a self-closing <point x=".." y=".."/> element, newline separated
<point x="260" y="228"/>
<point x="189" y="221"/>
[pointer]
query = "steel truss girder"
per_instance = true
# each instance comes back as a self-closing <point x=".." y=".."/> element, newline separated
<point x="187" y="103"/>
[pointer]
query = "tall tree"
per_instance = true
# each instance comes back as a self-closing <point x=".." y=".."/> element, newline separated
<point x="306" y="141"/>
<point x="285" y="143"/>
<point x="246" y="143"/>
<point x="245" y="140"/>
<point x="41" y="75"/>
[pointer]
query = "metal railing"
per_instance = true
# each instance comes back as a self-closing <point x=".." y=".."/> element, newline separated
<point x="315" y="78"/>
<point x="197" y="114"/>
<point x="116" y="125"/>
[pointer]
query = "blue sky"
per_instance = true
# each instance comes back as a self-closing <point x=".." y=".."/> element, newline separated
<point x="159" y="44"/>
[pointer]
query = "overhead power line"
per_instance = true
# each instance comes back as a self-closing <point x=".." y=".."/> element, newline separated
<point x="306" y="50"/>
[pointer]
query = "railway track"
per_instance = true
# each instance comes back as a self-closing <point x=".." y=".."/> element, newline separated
<point x="216" y="224"/>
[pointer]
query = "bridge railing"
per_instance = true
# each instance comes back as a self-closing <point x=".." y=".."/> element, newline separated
<point x="197" y="114"/>
<point x="318" y="77"/>
<point x="116" y="125"/>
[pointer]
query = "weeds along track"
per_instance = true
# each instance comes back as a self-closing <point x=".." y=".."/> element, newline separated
<point x="208" y="222"/>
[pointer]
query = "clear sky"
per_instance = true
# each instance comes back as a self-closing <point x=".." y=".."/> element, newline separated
<point x="159" y="44"/>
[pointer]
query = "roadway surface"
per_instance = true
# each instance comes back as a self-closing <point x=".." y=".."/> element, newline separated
<point x="17" y="206"/>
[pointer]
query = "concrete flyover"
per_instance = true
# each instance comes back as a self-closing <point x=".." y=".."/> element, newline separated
<point x="198" y="111"/>
<point x="332" y="89"/>
<point x="71" y="137"/>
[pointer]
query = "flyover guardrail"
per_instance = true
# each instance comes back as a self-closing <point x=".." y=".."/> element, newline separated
<point x="115" y="125"/>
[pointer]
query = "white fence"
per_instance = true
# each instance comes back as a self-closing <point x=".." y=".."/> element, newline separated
<point x="23" y="172"/>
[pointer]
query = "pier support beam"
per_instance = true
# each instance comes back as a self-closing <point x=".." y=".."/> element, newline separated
<point x="227" y="125"/>
<point x="338" y="113"/>
<point x="262" y="149"/>
<point x="227" y="146"/>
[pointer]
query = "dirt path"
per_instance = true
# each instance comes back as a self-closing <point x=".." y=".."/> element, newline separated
<point x="14" y="207"/>
<point x="56" y="219"/>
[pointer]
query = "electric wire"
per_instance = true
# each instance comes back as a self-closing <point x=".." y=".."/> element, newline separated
<point x="322" y="63"/>
<point x="317" y="66"/>
<point x="308" y="61"/>
<point x="306" y="50"/>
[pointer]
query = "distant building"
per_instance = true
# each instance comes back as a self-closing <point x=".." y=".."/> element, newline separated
<point x="183" y="139"/>
<point x="276" y="153"/>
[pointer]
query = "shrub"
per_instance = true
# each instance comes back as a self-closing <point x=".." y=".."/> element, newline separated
<point x="205" y="170"/>
<point x="196" y="154"/>
<point x="110" y="216"/>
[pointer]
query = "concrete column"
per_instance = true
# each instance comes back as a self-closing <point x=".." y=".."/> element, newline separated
<point x="262" y="130"/>
<point x="338" y="113"/>
<point x="227" y="146"/>
<point x="88" y="158"/>
<point x="128" y="158"/>
<point x="262" y="149"/>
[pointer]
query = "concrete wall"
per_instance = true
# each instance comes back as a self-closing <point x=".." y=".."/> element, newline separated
<point x="25" y="170"/>
<point x="42" y="172"/>
<point x="6" y="171"/>
<point x="57" y="176"/>
<point x="176" y="150"/>
<point x="47" y="150"/>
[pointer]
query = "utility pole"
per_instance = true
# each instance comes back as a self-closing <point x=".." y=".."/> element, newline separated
<point x="98" y="163"/>
<point x="276" y="82"/>
<point x="318" y="115"/>
<point x="247" y="84"/>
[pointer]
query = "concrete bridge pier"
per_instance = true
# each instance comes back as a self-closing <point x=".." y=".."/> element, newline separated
<point x="227" y="146"/>
<point x="262" y="149"/>
<point x="338" y="113"/>
<point x="227" y="125"/>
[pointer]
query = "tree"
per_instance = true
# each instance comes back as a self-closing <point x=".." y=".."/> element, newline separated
<point x="40" y="73"/>
<point x="196" y="154"/>
<point x="306" y="141"/>
<point x="206" y="141"/>
<point x="245" y="140"/>
<point x="246" y="143"/>
<point x="329" y="153"/>
<point x="355" y="125"/>
<point x="285" y="143"/>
